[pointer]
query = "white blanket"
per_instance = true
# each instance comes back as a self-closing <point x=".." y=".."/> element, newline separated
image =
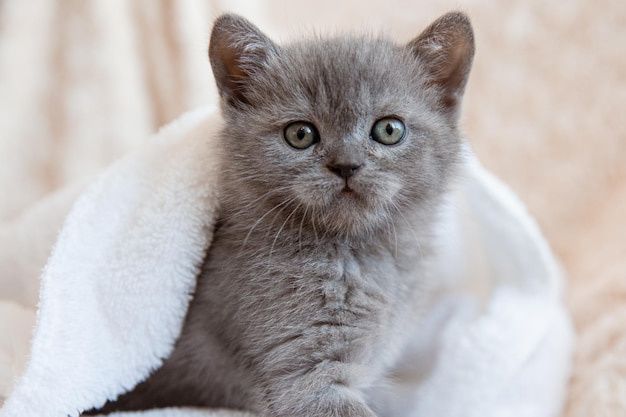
<point x="117" y="285"/>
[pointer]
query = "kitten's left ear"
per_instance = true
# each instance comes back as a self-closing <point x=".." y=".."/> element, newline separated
<point x="446" y="49"/>
<point x="237" y="51"/>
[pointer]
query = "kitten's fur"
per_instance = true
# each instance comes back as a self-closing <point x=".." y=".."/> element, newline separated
<point x="308" y="288"/>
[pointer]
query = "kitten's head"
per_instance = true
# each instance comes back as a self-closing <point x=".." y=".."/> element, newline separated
<point x="341" y="133"/>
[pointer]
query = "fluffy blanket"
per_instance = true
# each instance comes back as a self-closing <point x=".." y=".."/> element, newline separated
<point x="117" y="285"/>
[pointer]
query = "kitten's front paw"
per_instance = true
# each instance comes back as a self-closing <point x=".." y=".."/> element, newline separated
<point x="326" y="390"/>
<point x="351" y="409"/>
<point x="323" y="406"/>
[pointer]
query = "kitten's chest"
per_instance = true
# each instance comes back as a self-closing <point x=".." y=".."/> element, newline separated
<point x="297" y="286"/>
<point x="346" y="286"/>
<point x="307" y="302"/>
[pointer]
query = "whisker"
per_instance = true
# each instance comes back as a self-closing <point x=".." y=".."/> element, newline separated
<point x="282" y="227"/>
<point x="317" y="241"/>
<point x="410" y="227"/>
<point x="271" y="225"/>
<point x="395" y="237"/>
<point x="306" y="209"/>
<point x="261" y="219"/>
<point x="271" y="193"/>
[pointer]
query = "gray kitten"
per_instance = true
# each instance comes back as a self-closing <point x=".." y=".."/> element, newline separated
<point x="338" y="154"/>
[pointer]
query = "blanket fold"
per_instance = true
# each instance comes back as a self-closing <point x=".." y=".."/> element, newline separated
<point x="116" y="288"/>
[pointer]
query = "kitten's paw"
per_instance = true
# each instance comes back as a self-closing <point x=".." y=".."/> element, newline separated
<point x="326" y="390"/>
<point x="351" y="409"/>
<point x="323" y="406"/>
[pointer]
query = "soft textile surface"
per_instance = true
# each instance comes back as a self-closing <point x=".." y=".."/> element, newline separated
<point x="115" y="291"/>
<point x="81" y="83"/>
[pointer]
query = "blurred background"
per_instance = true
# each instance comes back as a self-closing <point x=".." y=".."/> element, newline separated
<point x="82" y="82"/>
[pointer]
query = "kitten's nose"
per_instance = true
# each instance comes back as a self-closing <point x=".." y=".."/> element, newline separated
<point x="344" y="170"/>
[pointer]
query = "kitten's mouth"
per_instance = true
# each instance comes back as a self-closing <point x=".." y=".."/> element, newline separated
<point x="346" y="186"/>
<point x="350" y="193"/>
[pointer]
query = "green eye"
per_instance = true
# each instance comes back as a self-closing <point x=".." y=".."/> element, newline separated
<point x="301" y="135"/>
<point x="388" y="131"/>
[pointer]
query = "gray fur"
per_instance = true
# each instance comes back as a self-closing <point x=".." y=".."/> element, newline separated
<point x="307" y="290"/>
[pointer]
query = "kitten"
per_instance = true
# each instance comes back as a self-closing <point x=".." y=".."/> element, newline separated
<point x="338" y="155"/>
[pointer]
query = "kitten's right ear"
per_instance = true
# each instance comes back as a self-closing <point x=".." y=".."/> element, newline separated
<point x="237" y="51"/>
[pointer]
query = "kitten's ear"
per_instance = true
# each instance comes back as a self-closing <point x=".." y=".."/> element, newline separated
<point x="446" y="49"/>
<point x="237" y="51"/>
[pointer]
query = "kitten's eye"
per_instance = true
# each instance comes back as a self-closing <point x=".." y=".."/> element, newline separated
<point x="301" y="135"/>
<point x="388" y="131"/>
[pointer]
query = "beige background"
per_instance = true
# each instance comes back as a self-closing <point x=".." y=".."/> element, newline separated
<point x="81" y="82"/>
